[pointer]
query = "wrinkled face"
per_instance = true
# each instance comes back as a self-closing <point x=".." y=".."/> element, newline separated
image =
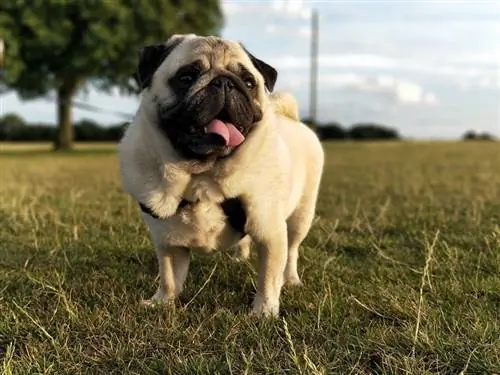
<point x="207" y="93"/>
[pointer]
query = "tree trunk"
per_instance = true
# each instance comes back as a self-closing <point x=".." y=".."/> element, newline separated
<point x="65" y="134"/>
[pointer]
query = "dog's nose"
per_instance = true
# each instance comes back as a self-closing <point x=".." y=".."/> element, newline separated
<point x="222" y="82"/>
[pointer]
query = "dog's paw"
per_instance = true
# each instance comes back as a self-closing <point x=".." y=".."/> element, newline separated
<point x="239" y="258"/>
<point x="265" y="309"/>
<point x="147" y="303"/>
<point x="242" y="252"/>
<point x="293" y="281"/>
<point x="163" y="205"/>
<point x="159" y="299"/>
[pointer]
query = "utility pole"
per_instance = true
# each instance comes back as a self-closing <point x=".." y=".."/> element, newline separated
<point x="2" y="47"/>
<point x="314" y="67"/>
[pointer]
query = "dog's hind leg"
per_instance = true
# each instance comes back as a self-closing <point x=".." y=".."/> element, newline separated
<point x="298" y="226"/>
<point x="173" y="266"/>
<point x="243" y="248"/>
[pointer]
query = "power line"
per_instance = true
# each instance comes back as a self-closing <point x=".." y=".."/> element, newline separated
<point x="92" y="108"/>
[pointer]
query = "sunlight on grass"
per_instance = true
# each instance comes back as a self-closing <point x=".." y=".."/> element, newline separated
<point x="43" y="146"/>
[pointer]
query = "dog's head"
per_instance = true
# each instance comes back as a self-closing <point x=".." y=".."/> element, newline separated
<point x="207" y="93"/>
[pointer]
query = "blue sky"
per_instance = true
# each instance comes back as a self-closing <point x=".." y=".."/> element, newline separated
<point x="431" y="69"/>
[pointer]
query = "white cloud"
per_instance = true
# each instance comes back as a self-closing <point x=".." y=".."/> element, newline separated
<point x="462" y="75"/>
<point x="292" y="8"/>
<point x="401" y="91"/>
<point x="233" y="8"/>
<point x="408" y="92"/>
<point x="344" y="80"/>
<point x="430" y="99"/>
<point x="396" y="90"/>
<point x="337" y="61"/>
<point x="230" y="8"/>
<point x="272" y="28"/>
<point x="412" y="93"/>
<point x="491" y="58"/>
<point x="305" y="31"/>
<point x="365" y="60"/>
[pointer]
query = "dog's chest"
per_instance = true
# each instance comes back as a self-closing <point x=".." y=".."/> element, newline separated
<point x="206" y="191"/>
<point x="204" y="188"/>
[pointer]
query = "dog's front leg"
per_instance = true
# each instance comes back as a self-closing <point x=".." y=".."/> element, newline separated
<point x="165" y="194"/>
<point x="173" y="266"/>
<point x="272" y="256"/>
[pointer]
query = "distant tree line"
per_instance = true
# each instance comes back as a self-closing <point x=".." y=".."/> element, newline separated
<point x="374" y="131"/>
<point x="471" y="135"/>
<point x="14" y="128"/>
<point x="357" y="132"/>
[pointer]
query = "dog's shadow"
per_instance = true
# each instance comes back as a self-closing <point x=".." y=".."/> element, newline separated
<point x="214" y="282"/>
<point x="219" y="281"/>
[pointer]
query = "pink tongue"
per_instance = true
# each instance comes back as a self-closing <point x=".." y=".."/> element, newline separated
<point x="232" y="137"/>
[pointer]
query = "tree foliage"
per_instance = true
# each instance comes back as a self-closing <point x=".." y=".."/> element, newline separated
<point x="14" y="129"/>
<point x="357" y="132"/>
<point x="372" y="131"/>
<point x="471" y="135"/>
<point x="63" y="45"/>
<point x="332" y="130"/>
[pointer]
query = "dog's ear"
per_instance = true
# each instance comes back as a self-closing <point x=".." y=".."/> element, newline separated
<point x="268" y="72"/>
<point x="150" y="58"/>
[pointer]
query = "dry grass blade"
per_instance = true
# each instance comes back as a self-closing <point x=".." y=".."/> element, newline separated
<point x="202" y="287"/>
<point x="425" y="275"/>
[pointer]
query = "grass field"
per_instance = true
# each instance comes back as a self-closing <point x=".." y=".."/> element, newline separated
<point x="401" y="273"/>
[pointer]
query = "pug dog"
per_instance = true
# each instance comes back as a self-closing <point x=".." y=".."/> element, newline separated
<point x="215" y="159"/>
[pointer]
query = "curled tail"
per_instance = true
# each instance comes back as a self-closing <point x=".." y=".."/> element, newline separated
<point x="286" y="105"/>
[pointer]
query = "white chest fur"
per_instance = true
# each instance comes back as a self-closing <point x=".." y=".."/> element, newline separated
<point x="201" y="225"/>
<point x="204" y="188"/>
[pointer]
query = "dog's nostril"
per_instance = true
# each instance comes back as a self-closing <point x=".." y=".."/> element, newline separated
<point x="218" y="82"/>
<point x="223" y="81"/>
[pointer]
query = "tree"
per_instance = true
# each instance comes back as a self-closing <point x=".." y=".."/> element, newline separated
<point x="87" y="130"/>
<point x="65" y="45"/>
<point x="371" y="131"/>
<point x="485" y="136"/>
<point x="10" y="124"/>
<point x="471" y="135"/>
<point x="332" y="130"/>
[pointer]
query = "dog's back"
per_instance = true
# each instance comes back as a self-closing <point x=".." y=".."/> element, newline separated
<point x="304" y="149"/>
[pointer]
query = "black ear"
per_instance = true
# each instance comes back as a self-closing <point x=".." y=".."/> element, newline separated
<point x="150" y="58"/>
<point x="268" y="72"/>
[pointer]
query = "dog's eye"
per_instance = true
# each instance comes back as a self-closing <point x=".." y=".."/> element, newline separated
<point x="250" y="83"/>
<point x="187" y="78"/>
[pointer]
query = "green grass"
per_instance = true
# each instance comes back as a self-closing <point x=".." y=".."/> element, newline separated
<point x="401" y="273"/>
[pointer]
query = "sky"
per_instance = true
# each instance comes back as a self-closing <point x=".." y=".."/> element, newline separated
<point x="430" y="69"/>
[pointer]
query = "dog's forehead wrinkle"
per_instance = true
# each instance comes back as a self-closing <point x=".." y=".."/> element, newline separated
<point x="218" y="52"/>
<point x="215" y="52"/>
